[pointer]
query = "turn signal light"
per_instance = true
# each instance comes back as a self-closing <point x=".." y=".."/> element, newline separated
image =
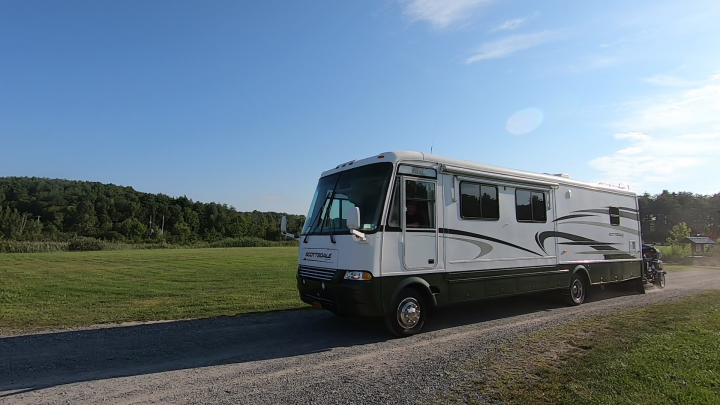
<point x="357" y="275"/>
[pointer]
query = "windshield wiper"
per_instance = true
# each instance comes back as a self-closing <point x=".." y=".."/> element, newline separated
<point x="327" y="197"/>
<point x="327" y="212"/>
<point x="317" y="218"/>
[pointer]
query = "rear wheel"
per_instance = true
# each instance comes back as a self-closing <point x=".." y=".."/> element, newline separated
<point x="638" y="285"/>
<point x="408" y="313"/>
<point x="577" y="291"/>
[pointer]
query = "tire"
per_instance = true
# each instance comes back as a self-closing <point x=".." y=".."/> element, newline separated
<point x="638" y="285"/>
<point x="407" y="314"/>
<point x="577" y="292"/>
<point x="660" y="281"/>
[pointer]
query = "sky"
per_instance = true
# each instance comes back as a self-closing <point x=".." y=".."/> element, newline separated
<point x="247" y="103"/>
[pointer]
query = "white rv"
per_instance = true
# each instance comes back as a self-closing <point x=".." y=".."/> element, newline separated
<point x="398" y="233"/>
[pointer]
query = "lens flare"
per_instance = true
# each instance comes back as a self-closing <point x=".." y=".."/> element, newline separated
<point x="524" y="121"/>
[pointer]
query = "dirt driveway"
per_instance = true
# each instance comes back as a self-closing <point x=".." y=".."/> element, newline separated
<point x="306" y="356"/>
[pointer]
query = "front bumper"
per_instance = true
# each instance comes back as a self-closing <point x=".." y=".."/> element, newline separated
<point x="347" y="297"/>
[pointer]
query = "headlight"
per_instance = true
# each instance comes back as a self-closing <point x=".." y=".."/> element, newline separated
<point x="357" y="275"/>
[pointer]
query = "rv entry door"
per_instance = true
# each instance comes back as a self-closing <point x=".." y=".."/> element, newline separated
<point x="419" y="224"/>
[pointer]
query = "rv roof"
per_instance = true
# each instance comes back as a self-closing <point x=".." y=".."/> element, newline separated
<point x="409" y="157"/>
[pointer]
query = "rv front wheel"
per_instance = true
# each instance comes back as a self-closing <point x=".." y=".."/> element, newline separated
<point x="408" y="314"/>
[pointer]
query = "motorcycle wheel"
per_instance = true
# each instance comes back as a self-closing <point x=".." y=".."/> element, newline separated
<point x="660" y="281"/>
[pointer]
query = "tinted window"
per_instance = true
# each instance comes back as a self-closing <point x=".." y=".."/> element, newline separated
<point x="490" y="205"/>
<point x="530" y="206"/>
<point x="614" y="216"/>
<point x="420" y="204"/>
<point x="478" y="201"/>
<point x="394" y="214"/>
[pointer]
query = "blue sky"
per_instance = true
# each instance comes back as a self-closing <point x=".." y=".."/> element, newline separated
<point x="246" y="103"/>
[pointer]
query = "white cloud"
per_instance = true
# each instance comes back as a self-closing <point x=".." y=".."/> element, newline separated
<point x="668" y="81"/>
<point x="442" y="14"/>
<point x="633" y="150"/>
<point x="671" y="81"/>
<point x="676" y="138"/>
<point x="509" y="45"/>
<point x="635" y="136"/>
<point x="512" y="24"/>
<point x="690" y="110"/>
<point x="509" y="25"/>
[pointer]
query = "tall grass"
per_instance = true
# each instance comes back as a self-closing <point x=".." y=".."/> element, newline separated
<point x="11" y="246"/>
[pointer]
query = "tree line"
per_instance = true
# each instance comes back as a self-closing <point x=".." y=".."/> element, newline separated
<point x="33" y="208"/>
<point x="660" y="212"/>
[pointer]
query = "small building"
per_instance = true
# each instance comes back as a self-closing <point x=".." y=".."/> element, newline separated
<point x="697" y="244"/>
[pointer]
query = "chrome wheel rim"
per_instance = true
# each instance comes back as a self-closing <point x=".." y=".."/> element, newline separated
<point x="577" y="292"/>
<point x="408" y="313"/>
<point x="662" y="280"/>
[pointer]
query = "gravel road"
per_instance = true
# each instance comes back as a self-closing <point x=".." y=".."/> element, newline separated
<point x="303" y="357"/>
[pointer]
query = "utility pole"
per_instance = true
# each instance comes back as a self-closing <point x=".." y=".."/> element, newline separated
<point x="22" y="223"/>
<point x="162" y="227"/>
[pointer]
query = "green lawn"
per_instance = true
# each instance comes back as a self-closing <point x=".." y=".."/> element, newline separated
<point x="56" y="290"/>
<point x="664" y="354"/>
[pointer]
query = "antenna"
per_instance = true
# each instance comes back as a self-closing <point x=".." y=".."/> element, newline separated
<point x="433" y="139"/>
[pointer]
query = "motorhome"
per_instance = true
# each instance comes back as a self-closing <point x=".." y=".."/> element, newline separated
<point x="399" y="233"/>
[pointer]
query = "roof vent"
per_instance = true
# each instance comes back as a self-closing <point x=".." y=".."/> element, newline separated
<point x="563" y="175"/>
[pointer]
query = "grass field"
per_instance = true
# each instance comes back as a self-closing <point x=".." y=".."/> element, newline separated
<point x="664" y="354"/>
<point x="40" y="291"/>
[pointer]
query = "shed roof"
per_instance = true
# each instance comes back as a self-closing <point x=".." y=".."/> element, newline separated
<point x="701" y="240"/>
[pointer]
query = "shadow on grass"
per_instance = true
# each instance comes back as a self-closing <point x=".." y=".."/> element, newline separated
<point x="34" y="362"/>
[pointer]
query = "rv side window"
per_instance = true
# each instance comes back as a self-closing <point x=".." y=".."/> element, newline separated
<point x="530" y="206"/>
<point x="394" y="214"/>
<point x="419" y="204"/>
<point x="478" y="201"/>
<point x="614" y="216"/>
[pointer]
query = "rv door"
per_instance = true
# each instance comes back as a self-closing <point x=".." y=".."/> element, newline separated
<point x="419" y="224"/>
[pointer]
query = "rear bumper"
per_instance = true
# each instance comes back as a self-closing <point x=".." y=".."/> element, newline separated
<point x="347" y="297"/>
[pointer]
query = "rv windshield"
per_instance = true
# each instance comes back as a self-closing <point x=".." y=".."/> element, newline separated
<point x="364" y="187"/>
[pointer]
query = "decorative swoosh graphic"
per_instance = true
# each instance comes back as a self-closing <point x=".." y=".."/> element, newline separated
<point x="491" y="239"/>
<point x="541" y="236"/>
<point x="573" y="216"/>
<point x="608" y="256"/>
<point x="485" y="248"/>
<point x="619" y="228"/>
<point x="596" y="210"/>
<point x="628" y="213"/>
<point x="588" y="243"/>
<point x="604" y="210"/>
<point x="604" y="249"/>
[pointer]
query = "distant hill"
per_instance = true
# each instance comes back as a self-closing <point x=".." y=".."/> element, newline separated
<point x="33" y="208"/>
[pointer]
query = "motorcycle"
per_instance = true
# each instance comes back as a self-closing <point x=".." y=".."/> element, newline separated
<point x="653" y="265"/>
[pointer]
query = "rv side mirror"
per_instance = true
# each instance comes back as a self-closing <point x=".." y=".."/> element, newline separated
<point x="283" y="228"/>
<point x="353" y="218"/>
